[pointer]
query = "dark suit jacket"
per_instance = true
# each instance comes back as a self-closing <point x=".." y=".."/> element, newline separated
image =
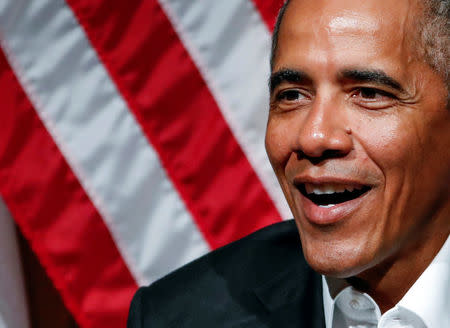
<point x="259" y="281"/>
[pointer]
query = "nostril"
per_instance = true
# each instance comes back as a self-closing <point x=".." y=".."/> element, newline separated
<point x="327" y="154"/>
<point x="323" y="137"/>
<point x="333" y="153"/>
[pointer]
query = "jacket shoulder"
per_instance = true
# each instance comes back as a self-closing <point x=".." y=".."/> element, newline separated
<point x="220" y="282"/>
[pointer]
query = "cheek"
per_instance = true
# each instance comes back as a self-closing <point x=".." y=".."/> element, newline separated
<point x="390" y="141"/>
<point x="391" y="144"/>
<point x="278" y="146"/>
<point x="278" y="140"/>
<point x="402" y="147"/>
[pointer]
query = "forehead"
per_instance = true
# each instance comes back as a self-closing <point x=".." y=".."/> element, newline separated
<point x="329" y="31"/>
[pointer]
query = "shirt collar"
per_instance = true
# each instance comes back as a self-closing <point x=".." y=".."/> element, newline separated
<point x="429" y="297"/>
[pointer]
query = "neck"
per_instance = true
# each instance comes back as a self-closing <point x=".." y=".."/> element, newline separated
<point x="389" y="281"/>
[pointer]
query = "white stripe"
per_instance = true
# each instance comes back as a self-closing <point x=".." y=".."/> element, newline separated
<point x="230" y="45"/>
<point x="105" y="147"/>
<point x="13" y="308"/>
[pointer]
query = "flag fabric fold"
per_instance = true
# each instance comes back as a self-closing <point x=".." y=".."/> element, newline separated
<point x="132" y="138"/>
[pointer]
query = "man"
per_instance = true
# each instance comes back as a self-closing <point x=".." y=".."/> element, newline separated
<point x="359" y="136"/>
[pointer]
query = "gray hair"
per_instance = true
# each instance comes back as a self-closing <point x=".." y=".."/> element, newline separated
<point x="434" y="35"/>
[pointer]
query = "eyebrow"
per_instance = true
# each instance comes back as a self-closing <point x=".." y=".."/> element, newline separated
<point x="373" y="76"/>
<point x="287" y="75"/>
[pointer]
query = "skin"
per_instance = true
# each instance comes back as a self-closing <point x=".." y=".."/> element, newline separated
<point x="393" y="137"/>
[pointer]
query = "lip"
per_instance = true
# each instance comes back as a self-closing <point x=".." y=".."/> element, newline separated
<point x="329" y="180"/>
<point x="325" y="216"/>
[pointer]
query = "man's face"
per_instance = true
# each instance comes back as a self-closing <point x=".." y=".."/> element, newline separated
<point x="358" y="134"/>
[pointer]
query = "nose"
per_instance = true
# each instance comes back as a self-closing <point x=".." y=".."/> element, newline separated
<point x="324" y="132"/>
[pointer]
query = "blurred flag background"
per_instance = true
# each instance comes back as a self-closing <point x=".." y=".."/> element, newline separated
<point x="131" y="142"/>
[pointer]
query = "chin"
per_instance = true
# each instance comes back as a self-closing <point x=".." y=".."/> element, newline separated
<point x="339" y="261"/>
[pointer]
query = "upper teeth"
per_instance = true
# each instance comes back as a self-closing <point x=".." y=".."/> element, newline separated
<point x="327" y="188"/>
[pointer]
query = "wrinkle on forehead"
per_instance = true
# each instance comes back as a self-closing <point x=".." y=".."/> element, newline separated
<point x="346" y="27"/>
<point x="350" y="21"/>
<point x="327" y="30"/>
<point x="339" y="16"/>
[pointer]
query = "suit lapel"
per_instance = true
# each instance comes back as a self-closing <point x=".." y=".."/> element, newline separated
<point x="293" y="298"/>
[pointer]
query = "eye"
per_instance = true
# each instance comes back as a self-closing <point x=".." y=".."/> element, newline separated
<point x="370" y="93"/>
<point x="290" y="95"/>
<point x="373" y="98"/>
<point x="290" y="99"/>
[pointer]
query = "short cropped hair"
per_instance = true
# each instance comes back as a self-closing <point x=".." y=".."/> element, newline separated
<point x="433" y="35"/>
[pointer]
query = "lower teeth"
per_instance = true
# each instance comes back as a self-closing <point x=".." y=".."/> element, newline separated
<point x="327" y="206"/>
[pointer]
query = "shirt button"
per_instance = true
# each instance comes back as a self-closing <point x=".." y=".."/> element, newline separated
<point x="354" y="304"/>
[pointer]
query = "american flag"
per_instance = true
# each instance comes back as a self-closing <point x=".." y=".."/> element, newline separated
<point x="132" y="138"/>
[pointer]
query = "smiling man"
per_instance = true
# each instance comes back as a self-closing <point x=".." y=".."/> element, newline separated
<point x="359" y="137"/>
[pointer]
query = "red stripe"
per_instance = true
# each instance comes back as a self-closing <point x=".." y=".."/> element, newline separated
<point x="269" y="11"/>
<point x="56" y="216"/>
<point x="179" y="116"/>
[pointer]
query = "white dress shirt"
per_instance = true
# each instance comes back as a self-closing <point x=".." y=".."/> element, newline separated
<point x="425" y="305"/>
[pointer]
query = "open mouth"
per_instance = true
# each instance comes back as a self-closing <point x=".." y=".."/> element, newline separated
<point x="328" y="195"/>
